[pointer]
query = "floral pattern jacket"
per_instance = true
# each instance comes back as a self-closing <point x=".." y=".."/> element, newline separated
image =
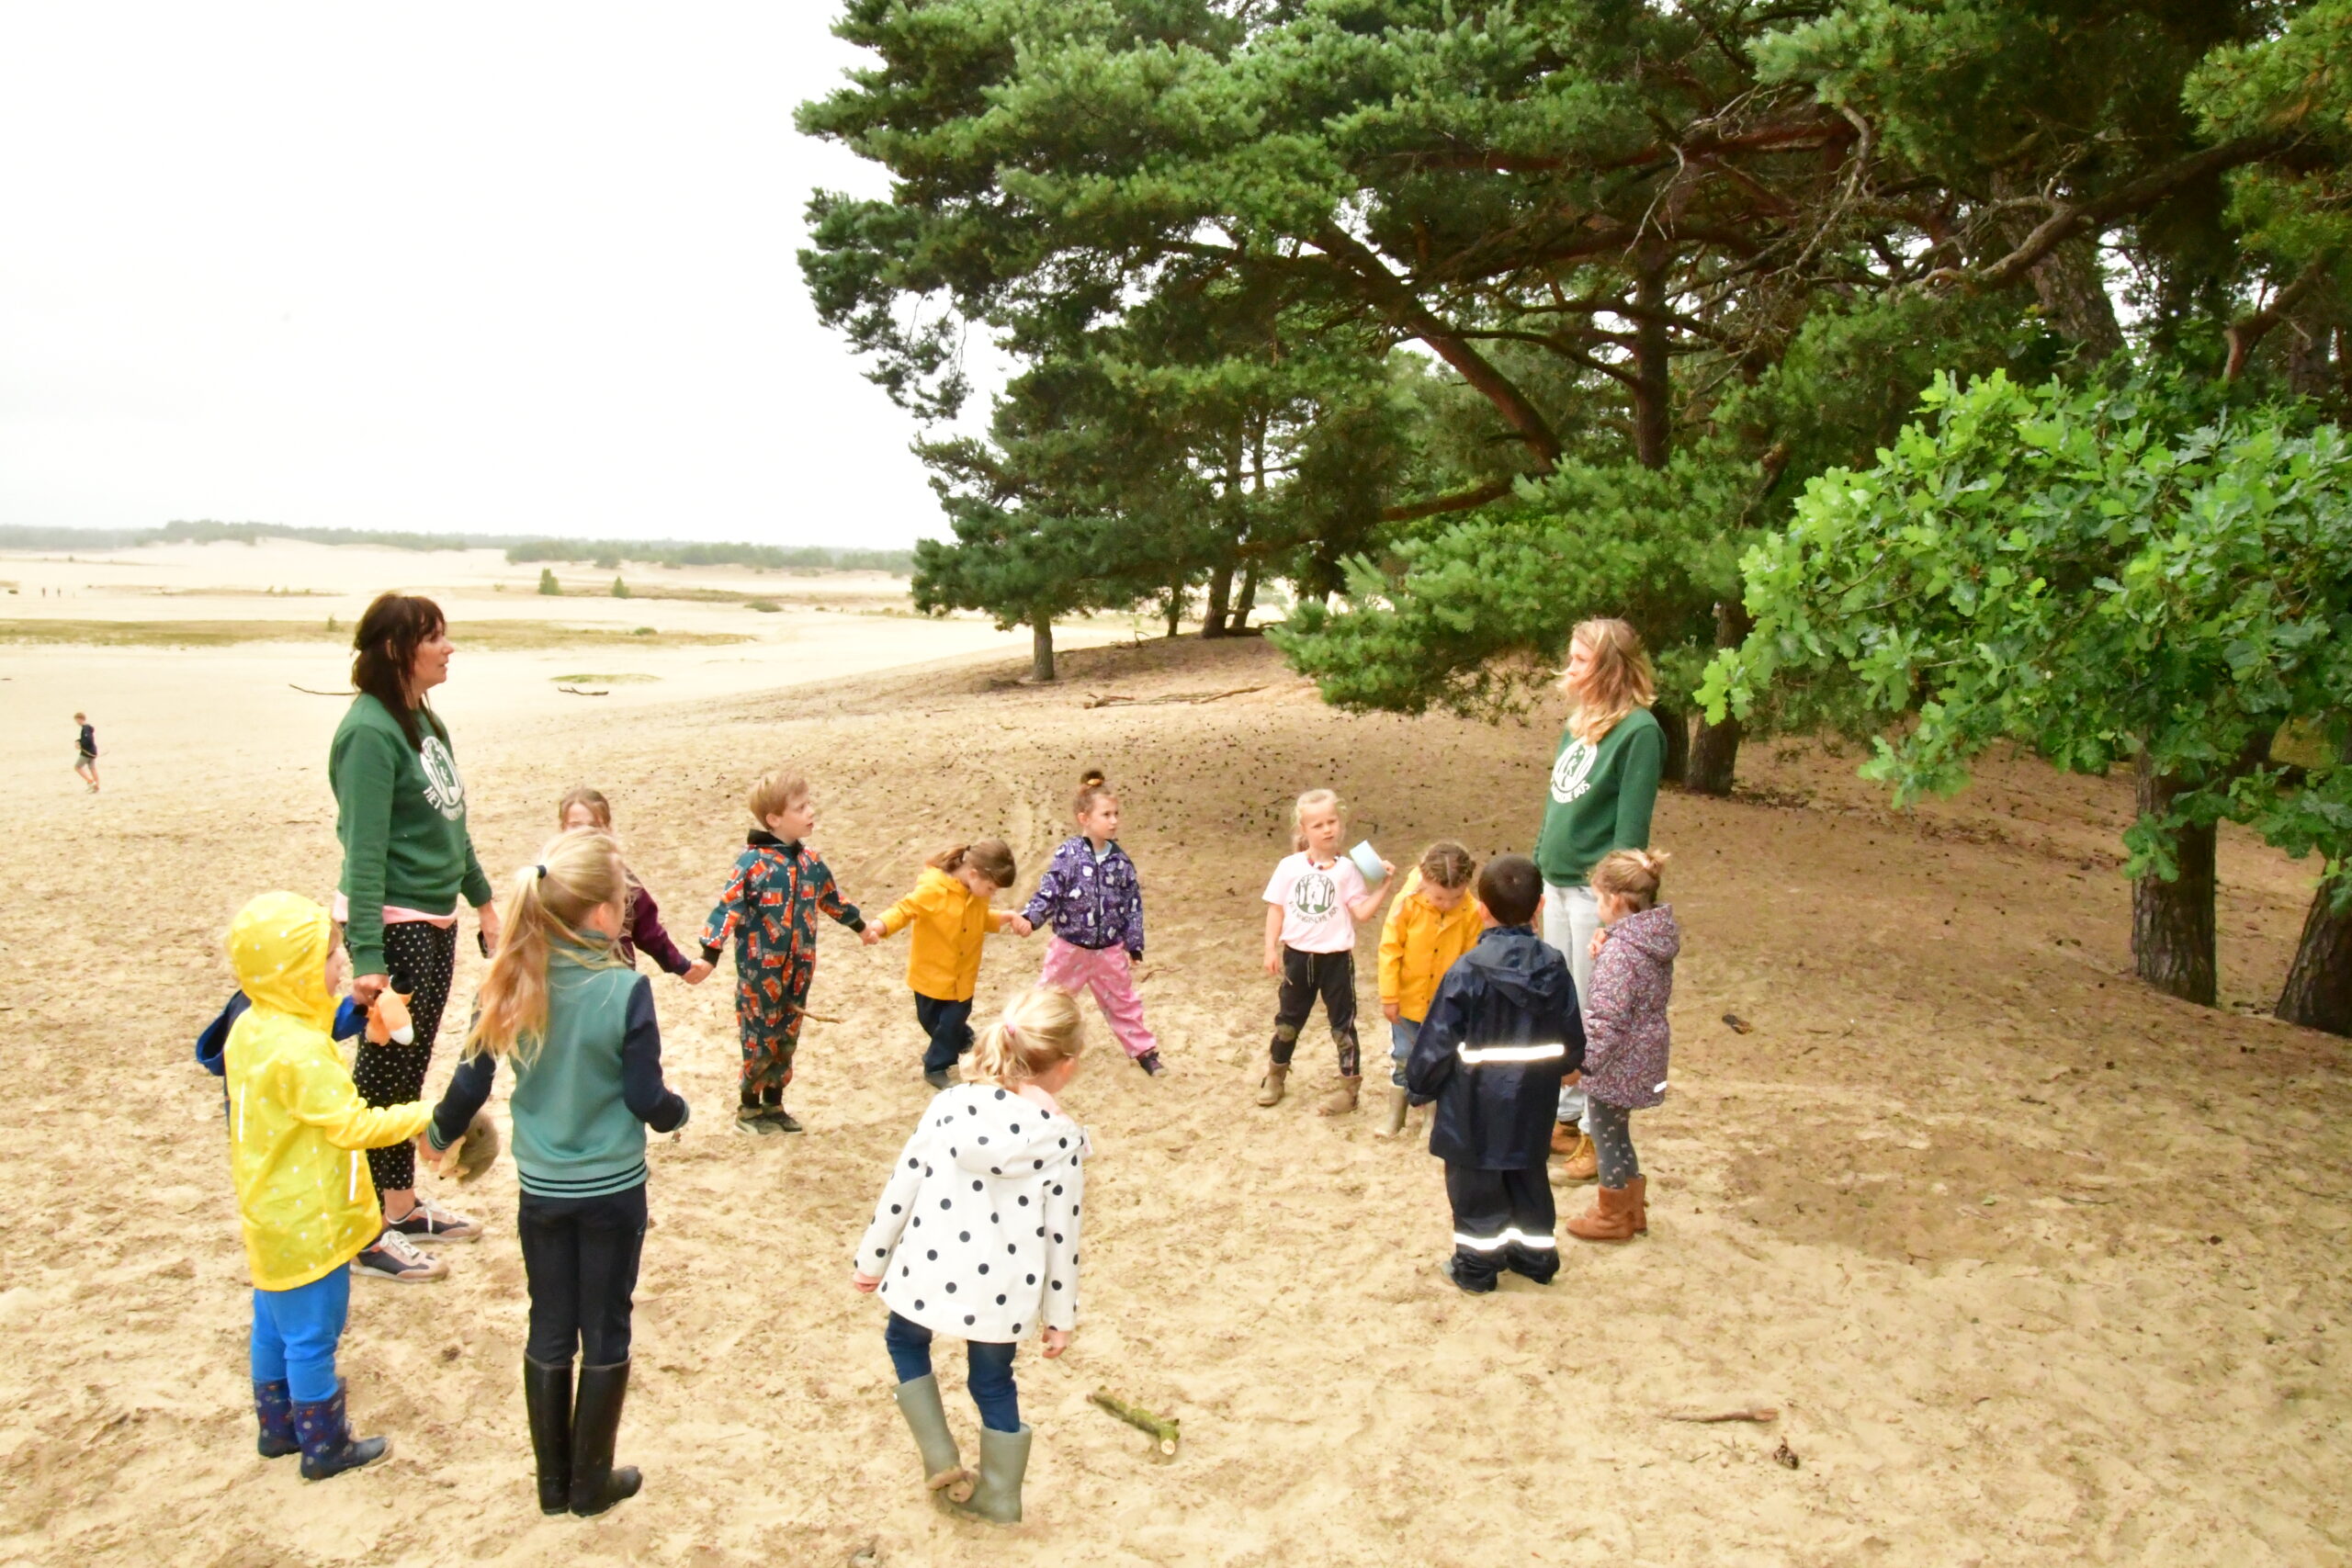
<point x="1090" y="903"/>
<point x="1626" y="1037"/>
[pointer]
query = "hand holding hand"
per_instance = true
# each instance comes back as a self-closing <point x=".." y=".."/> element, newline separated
<point x="1056" y="1341"/>
<point x="436" y="1158"/>
<point x="1019" y="926"/>
<point x="368" y="987"/>
<point x="697" y="972"/>
<point x="863" y="1285"/>
<point x="871" y="936"/>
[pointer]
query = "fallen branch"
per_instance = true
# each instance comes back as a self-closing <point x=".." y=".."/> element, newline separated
<point x="309" y="692"/>
<point x="1759" y="1414"/>
<point x="1163" y="1430"/>
<point x="576" y="691"/>
<point x="1114" y="700"/>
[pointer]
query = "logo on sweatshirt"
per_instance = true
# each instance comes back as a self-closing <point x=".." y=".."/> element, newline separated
<point x="1313" y="896"/>
<point x="442" y="789"/>
<point x="1572" y="775"/>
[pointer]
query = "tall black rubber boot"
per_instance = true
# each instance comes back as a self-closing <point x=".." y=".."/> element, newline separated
<point x="547" y="1398"/>
<point x="596" y="1484"/>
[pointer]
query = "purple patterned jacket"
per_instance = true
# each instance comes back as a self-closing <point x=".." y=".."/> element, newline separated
<point x="1626" y="1033"/>
<point x="1090" y="903"/>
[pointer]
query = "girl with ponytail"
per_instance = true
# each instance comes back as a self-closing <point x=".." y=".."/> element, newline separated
<point x="577" y="1026"/>
<point x="977" y="1237"/>
<point x="949" y="914"/>
<point x="1093" y="900"/>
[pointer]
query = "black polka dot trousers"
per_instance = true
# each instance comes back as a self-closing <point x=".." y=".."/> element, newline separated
<point x="421" y="958"/>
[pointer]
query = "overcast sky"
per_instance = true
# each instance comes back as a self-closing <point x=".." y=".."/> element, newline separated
<point x="496" y="266"/>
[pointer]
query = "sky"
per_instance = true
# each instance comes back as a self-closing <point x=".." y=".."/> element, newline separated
<point x="496" y="267"/>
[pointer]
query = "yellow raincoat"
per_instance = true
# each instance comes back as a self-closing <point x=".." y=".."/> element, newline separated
<point x="950" y="923"/>
<point x="296" y="1124"/>
<point x="1419" y="944"/>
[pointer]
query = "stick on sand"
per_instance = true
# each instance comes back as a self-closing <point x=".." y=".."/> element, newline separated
<point x="1163" y="1430"/>
<point x="1758" y="1413"/>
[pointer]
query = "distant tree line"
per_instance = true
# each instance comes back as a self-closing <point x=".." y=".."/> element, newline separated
<point x="519" y="548"/>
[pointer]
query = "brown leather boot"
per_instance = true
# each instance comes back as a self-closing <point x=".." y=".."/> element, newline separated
<point x="1270" y="1087"/>
<point x="1610" y="1219"/>
<point x="1580" y="1161"/>
<point x="1638" y="1189"/>
<point x="1342" y="1099"/>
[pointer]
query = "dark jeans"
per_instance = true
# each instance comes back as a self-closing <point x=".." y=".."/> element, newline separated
<point x="1612" y="1141"/>
<point x="580" y="1255"/>
<point x="987" y="1369"/>
<point x="1306" y="975"/>
<point x="1502" y="1219"/>
<point x="949" y="1024"/>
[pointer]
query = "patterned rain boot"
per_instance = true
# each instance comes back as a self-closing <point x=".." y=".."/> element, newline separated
<point x="328" y="1446"/>
<point x="273" y="1408"/>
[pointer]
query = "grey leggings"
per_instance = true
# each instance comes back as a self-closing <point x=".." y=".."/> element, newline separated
<point x="1613" y="1140"/>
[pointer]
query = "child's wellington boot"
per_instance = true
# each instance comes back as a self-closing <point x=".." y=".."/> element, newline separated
<point x="273" y="1408"/>
<point x="1397" y="1101"/>
<point x="547" y="1401"/>
<point x="1270" y="1087"/>
<point x="1004" y="1459"/>
<point x="1638" y="1189"/>
<point x="943" y="1467"/>
<point x="328" y="1446"/>
<point x="596" y="1482"/>
<point x="1342" y="1099"/>
<point x="1611" y="1217"/>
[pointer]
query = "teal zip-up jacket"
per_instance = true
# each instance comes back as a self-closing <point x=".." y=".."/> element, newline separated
<point x="584" y="1099"/>
<point x="400" y="814"/>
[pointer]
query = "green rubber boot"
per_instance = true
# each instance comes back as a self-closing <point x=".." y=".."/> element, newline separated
<point x="1004" y="1459"/>
<point x="943" y="1467"/>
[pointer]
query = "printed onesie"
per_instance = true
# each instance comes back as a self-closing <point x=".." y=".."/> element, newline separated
<point x="770" y="908"/>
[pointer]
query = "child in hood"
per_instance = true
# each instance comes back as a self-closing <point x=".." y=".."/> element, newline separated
<point x="1633" y="980"/>
<point x="1501" y="1032"/>
<point x="977" y="1237"/>
<point x="1433" y="921"/>
<point x="949" y="914"/>
<point x="297" y="1132"/>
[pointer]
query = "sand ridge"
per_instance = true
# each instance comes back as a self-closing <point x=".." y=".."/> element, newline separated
<point x="1947" y="1206"/>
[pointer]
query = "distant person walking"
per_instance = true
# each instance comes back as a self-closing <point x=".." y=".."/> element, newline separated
<point x="85" y="752"/>
<point x="1604" y="786"/>
<point x="400" y="814"/>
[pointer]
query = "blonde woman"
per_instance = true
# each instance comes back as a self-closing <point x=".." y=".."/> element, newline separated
<point x="577" y="1026"/>
<point x="1603" y="789"/>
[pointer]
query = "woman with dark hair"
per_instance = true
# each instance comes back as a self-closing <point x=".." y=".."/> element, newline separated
<point x="400" y="814"/>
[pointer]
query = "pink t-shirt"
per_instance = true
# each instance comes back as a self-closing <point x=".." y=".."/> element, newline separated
<point x="1314" y="900"/>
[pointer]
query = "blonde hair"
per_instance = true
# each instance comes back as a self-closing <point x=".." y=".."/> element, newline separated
<point x="1621" y="679"/>
<point x="776" y="793"/>
<point x="1093" y="788"/>
<point x="1313" y="800"/>
<point x="1037" y="1028"/>
<point x="547" y="902"/>
<point x="993" y="858"/>
<point x="1630" y="874"/>
<point x="598" y="806"/>
<point x="1448" y="865"/>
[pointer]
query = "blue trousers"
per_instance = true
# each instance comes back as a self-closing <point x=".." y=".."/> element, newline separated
<point x="295" y="1334"/>
<point x="949" y="1024"/>
<point x="987" y="1369"/>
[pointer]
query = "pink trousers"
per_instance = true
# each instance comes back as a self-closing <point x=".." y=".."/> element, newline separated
<point x="1107" y="974"/>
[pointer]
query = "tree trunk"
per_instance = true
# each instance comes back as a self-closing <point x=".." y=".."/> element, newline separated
<point x="1237" y="623"/>
<point x="1653" y="379"/>
<point x="2318" y="993"/>
<point x="1674" y="767"/>
<point x="2172" y="922"/>
<point x="2067" y="283"/>
<point x="1220" y="600"/>
<point x="1040" y="647"/>
<point x="1175" y="606"/>
<point x="1714" y="755"/>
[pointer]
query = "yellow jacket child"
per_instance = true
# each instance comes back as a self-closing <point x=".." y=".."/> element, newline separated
<point x="296" y="1124"/>
<point x="949" y="913"/>
<point x="1418" y="943"/>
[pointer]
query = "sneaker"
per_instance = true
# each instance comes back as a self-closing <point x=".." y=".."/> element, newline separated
<point x="937" y="1078"/>
<point x="394" y="1258"/>
<point x="752" y="1119"/>
<point x="780" y="1120"/>
<point x="1151" y="1063"/>
<point x="430" y="1222"/>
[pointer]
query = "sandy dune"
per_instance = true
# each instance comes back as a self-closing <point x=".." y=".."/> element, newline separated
<point x="2040" y="1267"/>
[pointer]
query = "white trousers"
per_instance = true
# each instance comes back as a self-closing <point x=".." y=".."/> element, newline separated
<point x="1571" y="916"/>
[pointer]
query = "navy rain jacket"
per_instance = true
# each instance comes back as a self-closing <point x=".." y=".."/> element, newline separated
<point x="1501" y="1032"/>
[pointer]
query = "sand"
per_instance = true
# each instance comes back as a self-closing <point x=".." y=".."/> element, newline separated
<point x="2038" y="1265"/>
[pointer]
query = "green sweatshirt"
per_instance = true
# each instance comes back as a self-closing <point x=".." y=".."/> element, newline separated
<point x="400" y="814"/>
<point x="1601" y="798"/>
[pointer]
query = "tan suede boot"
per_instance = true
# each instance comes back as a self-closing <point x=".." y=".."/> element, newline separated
<point x="1638" y="1189"/>
<point x="1610" y="1219"/>
<point x="1342" y="1099"/>
<point x="1580" y="1161"/>
<point x="1270" y="1087"/>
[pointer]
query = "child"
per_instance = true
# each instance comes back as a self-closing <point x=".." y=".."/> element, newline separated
<point x="586" y="810"/>
<point x="1434" y="922"/>
<point x="950" y="914"/>
<point x="771" y="906"/>
<point x="998" y="1169"/>
<point x="1501" y="1032"/>
<point x="1633" y="980"/>
<point x="1312" y="906"/>
<point x="577" y="1024"/>
<point x="85" y="752"/>
<point x="1092" y="899"/>
<point x="307" y="1203"/>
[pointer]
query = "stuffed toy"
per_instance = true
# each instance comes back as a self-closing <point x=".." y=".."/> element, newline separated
<point x="475" y="1151"/>
<point x="388" y="1019"/>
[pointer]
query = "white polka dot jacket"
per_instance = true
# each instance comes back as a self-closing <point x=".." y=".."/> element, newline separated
<point x="977" y="1232"/>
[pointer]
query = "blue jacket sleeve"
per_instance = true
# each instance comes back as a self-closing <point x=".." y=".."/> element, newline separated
<point x="469" y="1090"/>
<point x="350" y="1017"/>
<point x="1432" y="1061"/>
<point x="650" y="1100"/>
<point x="212" y="1045"/>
